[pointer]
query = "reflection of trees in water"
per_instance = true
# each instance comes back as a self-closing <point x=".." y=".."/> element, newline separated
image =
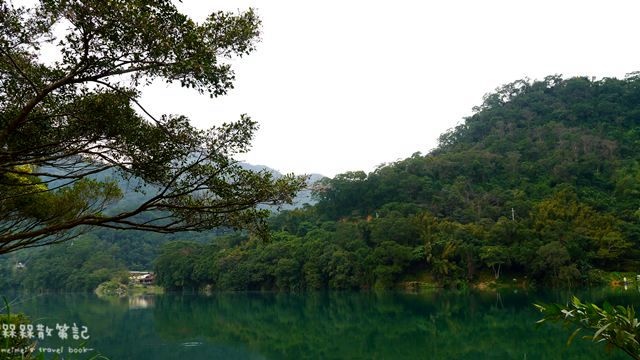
<point x="367" y="325"/>
<point x="115" y="331"/>
<point x="100" y="315"/>
<point x="438" y="325"/>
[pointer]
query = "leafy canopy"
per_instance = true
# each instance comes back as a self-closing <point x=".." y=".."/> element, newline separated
<point x="69" y="126"/>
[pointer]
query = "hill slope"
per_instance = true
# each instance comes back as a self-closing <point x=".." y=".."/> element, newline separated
<point x="523" y="142"/>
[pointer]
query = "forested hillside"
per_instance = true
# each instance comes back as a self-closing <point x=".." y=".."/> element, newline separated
<point x="542" y="181"/>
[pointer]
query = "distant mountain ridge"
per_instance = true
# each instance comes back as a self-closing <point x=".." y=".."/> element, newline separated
<point x="132" y="197"/>
<point x="305" y="196"/>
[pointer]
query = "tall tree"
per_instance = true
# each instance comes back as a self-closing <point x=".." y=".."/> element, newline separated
<point x="65" y="123"/>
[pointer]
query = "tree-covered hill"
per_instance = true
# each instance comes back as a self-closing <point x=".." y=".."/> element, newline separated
<point x="523" y="141"/>
<point x="542" y="180"/>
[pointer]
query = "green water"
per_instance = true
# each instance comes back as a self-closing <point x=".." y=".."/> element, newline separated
<point x="442" y="325"/>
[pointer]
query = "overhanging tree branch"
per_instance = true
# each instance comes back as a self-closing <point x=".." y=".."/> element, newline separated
<point x="66" y="145"/>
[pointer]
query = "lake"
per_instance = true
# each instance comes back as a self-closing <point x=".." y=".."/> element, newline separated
<point x="332" y="325"/>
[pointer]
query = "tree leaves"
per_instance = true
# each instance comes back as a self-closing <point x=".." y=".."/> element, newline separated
<point x="615" y="325"/>
<point x="78" y="117"/>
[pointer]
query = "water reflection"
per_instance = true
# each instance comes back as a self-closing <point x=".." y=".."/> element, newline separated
<point x="141" y="302"/>
<point x="370" y="325"/>
<point x="438" y="325"/>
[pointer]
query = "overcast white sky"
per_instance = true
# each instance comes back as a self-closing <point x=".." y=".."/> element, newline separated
<point x="348" y="85"/>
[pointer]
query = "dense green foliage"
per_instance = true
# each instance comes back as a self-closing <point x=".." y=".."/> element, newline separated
<point x="79" y="265"/>
<point x="287" y="262"/>
<point x="617" y="326"/>
<point x="541" y="181"/>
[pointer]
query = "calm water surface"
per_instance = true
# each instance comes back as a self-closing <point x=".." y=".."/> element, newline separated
<point x="441" y="325"/>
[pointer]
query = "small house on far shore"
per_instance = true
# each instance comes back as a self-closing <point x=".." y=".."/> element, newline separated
<point x="142" y="277"/>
